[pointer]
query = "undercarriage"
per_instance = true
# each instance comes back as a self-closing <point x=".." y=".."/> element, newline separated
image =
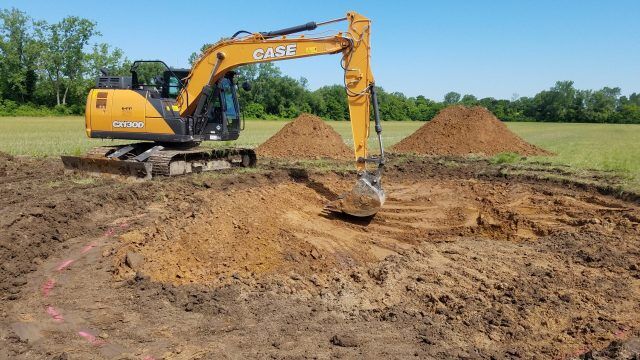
<point x="148" y="159"/>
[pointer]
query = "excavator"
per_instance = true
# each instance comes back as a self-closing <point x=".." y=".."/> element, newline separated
<point x="172" y="114"/>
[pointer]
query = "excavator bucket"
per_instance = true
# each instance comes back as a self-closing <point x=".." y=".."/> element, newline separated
<point x="107" y="166"/>
<point x="365" y="198"/>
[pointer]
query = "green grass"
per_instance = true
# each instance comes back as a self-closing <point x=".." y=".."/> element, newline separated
<point x="607" y="147"/>
<point x="45" y="136"/>
<point x="505" y="158"/>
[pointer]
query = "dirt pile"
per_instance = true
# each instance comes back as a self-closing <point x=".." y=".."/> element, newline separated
<point x="306" y="137"/>
<point x="460" y="130"/>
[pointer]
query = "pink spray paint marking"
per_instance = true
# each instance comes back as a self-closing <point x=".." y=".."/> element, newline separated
<point x="581" y="351"/>
<point x="55" y="315"/>
<point x="620" y="334"/>
<point x="91" y="338"/>
<point x="47" y="287"/>
<point x="88" y="247"/>
<point x="63" y="265"/>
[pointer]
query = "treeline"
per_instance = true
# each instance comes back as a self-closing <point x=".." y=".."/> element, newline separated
<point x="47" y="69"/>
<point x="275" y="95"/>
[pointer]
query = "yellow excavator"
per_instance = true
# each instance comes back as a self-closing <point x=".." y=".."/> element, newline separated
<point x="182" y="108"/>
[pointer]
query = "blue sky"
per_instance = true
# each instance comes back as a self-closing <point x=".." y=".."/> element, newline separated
<point x="486" y="48"/>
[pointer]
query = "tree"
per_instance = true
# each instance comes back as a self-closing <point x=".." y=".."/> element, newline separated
<point x="63" y="58"/>
<point x="469" y="100"/>
<point x="195" y="55"/>
<point x="601" y="105"/>
<point x="103" y="57"/>
<point x="393" y="106"/>
<point x="148" y="72"/>
<point x="331" y="102"/>
<point x="560" y="103"/>
<point x="18" y="54"/>
<point x="277" y="94"/>
<point x="423" y="109"/>
<point x="451" y="98"/>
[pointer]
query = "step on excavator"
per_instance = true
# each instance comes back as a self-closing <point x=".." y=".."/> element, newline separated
<point x="181" y="108"/>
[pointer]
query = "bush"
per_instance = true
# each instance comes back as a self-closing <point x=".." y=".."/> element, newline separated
<point x="254" y="111"/>
<point x="11" y="108"/>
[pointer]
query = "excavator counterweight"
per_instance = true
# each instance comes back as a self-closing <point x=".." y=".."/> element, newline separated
<point x="173" y="113"/>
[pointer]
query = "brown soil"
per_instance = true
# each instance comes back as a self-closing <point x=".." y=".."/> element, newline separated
<point x="306" y="137"/>
<point x="248" y="266"/>
<point x="460" y="130"/>
<point x="7" y="164"/>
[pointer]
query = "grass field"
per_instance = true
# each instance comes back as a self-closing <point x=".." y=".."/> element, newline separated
<point x="606" y="147"/>
<point x="53" y="136"/>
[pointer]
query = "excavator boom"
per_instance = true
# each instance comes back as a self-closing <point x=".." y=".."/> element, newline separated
<point x="367" y="196"/>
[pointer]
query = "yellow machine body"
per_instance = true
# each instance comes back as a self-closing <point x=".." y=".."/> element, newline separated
<point x="118" y="110"/>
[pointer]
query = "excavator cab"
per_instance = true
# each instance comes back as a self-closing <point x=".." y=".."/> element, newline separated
<point x="224" y="117"/>
<point x="221" y="120"/>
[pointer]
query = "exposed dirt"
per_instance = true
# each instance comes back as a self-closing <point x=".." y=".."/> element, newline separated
<point x="460" y="130"/>
<point x="7" y="164"/>
<point x="461" y="263"/>
<point x="306" y="137"/>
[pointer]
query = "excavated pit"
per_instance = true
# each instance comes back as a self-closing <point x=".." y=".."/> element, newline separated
<point x="279" y="228"/>
<point x="461" y="262"/>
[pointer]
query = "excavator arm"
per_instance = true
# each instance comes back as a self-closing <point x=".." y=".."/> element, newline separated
<point x="367" y="196"/>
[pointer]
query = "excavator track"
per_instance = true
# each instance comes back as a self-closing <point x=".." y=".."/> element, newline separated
<point x="147" y="160"/>
<point x="180" y="162"/>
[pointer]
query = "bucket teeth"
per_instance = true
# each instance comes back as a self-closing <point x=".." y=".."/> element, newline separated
<point x="365" y="198"/>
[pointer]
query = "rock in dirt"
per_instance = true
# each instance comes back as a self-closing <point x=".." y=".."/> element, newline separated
<point x="134" y="260"/>
<point x="140" y="276"/>
<point x="306" y="137"/>
<point x="460" y="130"/>
<point x="345" y="340"/>
<point x="617" y="349"/>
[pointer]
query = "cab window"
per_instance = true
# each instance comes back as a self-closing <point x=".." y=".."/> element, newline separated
<point x="229" y="99"/>
<point x="174" y="86"/>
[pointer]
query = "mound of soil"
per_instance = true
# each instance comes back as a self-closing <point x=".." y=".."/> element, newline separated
<point x="460" y="130"/>
<point x="306" y="137"/>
